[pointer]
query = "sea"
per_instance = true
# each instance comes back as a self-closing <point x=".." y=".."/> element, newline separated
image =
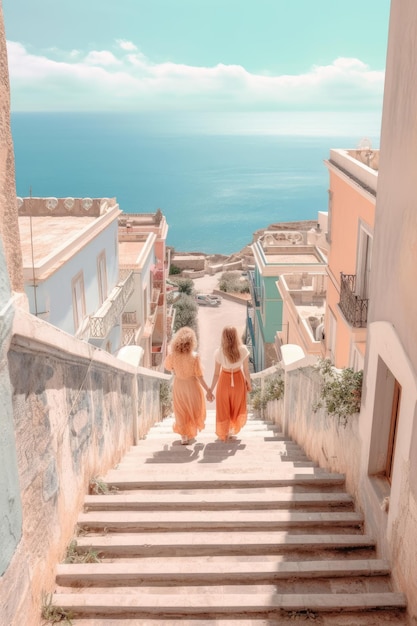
<point x="217" y="177"/>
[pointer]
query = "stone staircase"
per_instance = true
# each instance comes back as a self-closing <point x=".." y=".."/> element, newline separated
<point x="247" y="532"/>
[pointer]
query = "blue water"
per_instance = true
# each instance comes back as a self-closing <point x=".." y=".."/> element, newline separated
<point x="217" y="179"/>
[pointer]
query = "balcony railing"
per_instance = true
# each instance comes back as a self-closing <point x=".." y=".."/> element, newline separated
<point x="112" y="308"/>
<point x="155" y="299"/>
<point x="353" y="307"/>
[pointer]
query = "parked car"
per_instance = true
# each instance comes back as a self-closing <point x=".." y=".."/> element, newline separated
<point x="207" y="299"/>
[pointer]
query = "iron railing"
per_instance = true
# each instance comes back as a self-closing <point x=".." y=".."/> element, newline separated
<point x="353" y="307"/>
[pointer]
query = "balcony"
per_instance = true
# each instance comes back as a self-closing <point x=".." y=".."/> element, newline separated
<point x="353" y="307"/>
<point x="155" y="299"/>
<point x="130" y="328"/>
<point x="157" y="356"/>
<point x="112" y="308"/>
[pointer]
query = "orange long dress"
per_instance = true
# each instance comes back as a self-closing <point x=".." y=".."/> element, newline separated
<point x="231" y="393"/>
<point x="187" y="394"/>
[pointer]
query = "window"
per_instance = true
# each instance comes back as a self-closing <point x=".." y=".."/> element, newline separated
<point x="363" y="268"/>
<point x="145" y="303"/>
<point x="331" y="345"/>
<point x="329" y="216"/>
<point x="263" y="303"/>
<point x="78" y="300"/>
<point x="102" y="277"/>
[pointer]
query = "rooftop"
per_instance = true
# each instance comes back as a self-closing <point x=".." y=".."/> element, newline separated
<point x="49" y="241"/>
<point x="43" y="236"/>
<point x="277" y="252"/>
<point x="130" y="251"/>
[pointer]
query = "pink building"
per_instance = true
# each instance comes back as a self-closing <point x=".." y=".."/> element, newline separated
<point x="146" y="321"/>
<point x="352" y="196"/>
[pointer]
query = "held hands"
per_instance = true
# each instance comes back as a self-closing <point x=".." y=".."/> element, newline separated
<point x="210" y="395"/>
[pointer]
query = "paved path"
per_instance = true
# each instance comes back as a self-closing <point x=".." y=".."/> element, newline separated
<point x="211" y="321"/>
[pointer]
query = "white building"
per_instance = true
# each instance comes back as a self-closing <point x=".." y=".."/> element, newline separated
<point x="71" y="266"/>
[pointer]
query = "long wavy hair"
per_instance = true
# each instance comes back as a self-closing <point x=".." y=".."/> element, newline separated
<point x="184" y="341"/>
<point x="230" y="343"/>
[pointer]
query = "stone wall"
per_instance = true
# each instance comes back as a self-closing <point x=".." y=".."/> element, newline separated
<point x="325" y="439"/>
<point x="9" y="229"/>
<point x="60" y="207"/>
<point x="76" y="410"/>
<point x="196" y="262"/>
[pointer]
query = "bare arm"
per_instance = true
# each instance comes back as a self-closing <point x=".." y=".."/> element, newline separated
<point x="215" y="376"/>
<point x="203" y="383"/>
<point x="247" y="374"/>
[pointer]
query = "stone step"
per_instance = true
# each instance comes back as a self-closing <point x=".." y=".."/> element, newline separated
<point x="178" y="457"/>
<point x="217" y="570"/>
<point x="181" y="478"/>
<point x="214" y="449"/>
<point x="244" y="533"/>
<point x="216" y="543"/>
<point x="391" y="617"/>
<point x="212" y="605"/>
<point x="224" y="499"/>
<point x="252" y="425"/>
<point x="158" y="521"/>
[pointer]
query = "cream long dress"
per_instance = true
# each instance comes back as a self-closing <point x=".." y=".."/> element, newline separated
<point x="187" y="393"/>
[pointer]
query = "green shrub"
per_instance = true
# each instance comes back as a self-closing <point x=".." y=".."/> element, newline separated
<point x="340" y="390"/>
<point x="232" y="282"/>
<point x="272" y="389"/>
<point x="186" y="312"/>
<point x="185" y="285"/>
<point x="165" y="398"/>
<point x="174" y="269"/>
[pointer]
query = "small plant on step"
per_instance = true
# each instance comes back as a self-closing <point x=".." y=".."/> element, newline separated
<point x="340" y="390"/>
<point x="98" y="486"/>
<point x="73" y="556"/>
<point x="54" y="614"/>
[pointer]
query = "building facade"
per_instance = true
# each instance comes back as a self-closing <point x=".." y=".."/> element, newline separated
<point x="276" y="254"/>
<point x="147" y="321"/>
<point x="71" y="266"/>
<point x="353" y="176"/>
<point x="388" y="419"/>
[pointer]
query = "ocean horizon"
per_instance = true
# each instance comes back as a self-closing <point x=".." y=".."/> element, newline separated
<point x="216" y="177"/>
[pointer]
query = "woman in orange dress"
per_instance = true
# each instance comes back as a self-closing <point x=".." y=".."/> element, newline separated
<point x="231" y="374"/>
<point x="187" y="390"/>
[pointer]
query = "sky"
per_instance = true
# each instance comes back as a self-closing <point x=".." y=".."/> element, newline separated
<point x="202" y="55"/>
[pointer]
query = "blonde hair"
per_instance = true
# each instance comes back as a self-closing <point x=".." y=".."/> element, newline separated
<point x="231" y="343"/>
<point x="184" y="341"/>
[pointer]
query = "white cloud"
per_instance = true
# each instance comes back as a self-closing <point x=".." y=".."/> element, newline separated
<point x="101" y="58"/>
<point x="102" y="80"/>
<point x="126" y="45"/>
